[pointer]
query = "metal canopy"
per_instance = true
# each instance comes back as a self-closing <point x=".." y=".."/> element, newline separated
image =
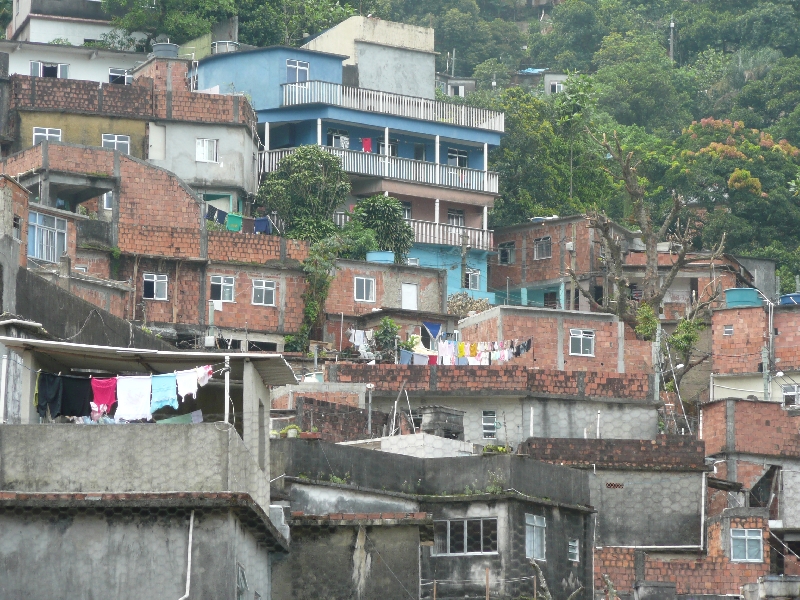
<point x="65" y="356"/>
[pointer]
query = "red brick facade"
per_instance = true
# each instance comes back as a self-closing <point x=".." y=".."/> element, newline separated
<point x="763" y="428"/>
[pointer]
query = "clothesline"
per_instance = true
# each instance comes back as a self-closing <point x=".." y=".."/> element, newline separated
<point x="469" y="353"/>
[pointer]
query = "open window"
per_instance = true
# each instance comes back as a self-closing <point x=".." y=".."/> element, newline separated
<point x="46" y="69"/>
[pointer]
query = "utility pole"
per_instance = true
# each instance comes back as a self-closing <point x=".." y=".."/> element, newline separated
<point x="453" y="64"/>
<point x="671" y="39"/>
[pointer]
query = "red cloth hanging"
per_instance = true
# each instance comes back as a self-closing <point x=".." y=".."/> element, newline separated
<point x="366" y="144"/>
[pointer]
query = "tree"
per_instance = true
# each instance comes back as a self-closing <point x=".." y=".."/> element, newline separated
<point x="384" y="216"/>
<point x="287" y="21"/>
<point x="304" y="190"/>
<point x="178" y="20"/>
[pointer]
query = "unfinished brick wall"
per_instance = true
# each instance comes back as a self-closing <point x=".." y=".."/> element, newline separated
<point x="109" y="299"/>
<point x="338" y="422"/>
<point x="15" y="206"/>
<point x="741" y="351"/>
<point x="97" y="262"/>
<point x="786" y="321"/>
<point x="714" y="432"/>
<point x="711" y="573"/>
<point x="666" y="452"/>
<point x="231" y="246"/>
<point x="763" y="428"/>
<point x="388" y="378"/>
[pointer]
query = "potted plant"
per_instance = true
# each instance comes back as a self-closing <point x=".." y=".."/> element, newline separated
<point x="314" y="434"/>
<point x="491" y="449"/>
<point x="290" y="431"/>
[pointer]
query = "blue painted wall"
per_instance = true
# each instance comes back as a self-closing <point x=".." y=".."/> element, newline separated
<point x="449" y="259"/>
<point x="261" y="72"/>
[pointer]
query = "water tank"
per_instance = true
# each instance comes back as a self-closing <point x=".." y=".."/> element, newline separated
<point x="742" y="297"/>
<point x="790" y="298"/>
<point x="380" y="256"/>
<point x="165" y="50"/>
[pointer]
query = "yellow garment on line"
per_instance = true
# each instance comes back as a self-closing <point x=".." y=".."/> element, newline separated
<point x="460" y="349"/>
<point x="473" y="349"/>
<point x="36" y="392"/>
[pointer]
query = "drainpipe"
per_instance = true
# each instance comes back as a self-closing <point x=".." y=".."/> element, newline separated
<point x="227" y="386"/>
<point x="765" y="371"/>
<point x="189" y="558"/>
<point x="3" y="389"/>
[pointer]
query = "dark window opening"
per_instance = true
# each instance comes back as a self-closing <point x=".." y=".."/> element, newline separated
<point x="419" y="151"/>
<point x="262" y="347"/>
<point x="49" y="70"/>
<point x="598" y="294"/>
<point x="694" y="288"/>
<point x="425" y="337"/>
<point x="551" y="300"/>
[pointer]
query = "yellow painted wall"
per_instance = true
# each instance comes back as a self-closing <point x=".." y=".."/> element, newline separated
<point x="86" y="130"/>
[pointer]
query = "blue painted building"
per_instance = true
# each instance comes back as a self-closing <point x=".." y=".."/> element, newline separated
<point x="430" y="155"/>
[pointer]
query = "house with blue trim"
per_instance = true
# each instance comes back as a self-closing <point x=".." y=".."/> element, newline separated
<point x="364" y="91"/>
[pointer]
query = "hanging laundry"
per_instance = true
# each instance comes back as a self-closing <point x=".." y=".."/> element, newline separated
<point x="221" y="216"/>
<point x="211" y="213"/>
<point x="187" y="383"/>
<point x="419" y="359"/>
<point x="204" y="374"/>
<point x="460" y="349"/>
<point x="366" y="144"/>
<point x="432" y="359"/>
<point x="50" y="395"/>
<point x="164" y="393"/>
<point x="77" y="396"/>
<point x="133" y="398"/>
<point x="263" y="225"/>
<point x="105" y="392"/>
<point x="473" y="349"/>
<point x="358" y="338"/>
<point x="462" y="361"/>
<point x="405" y="357"/>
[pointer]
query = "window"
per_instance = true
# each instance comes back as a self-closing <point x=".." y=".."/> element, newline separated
<point x="47" y="237"/>
<point x="117" y="142"/>
<point x="108" y="199"/>
<point x="791" y="395"/>
<point x="420" y="151"/>
<point x="542" y="248"/>
<point x="556" y="87"/>
<point x="43" y="69"/>
<point x="296" y="71"/>
<point x="241" y="582"/>
<point x="573" y="551"/>
<point x="727" y="330"/>
<point x="338" y="138"/>
<point x="222" y="288"/>
<point x="365" y="289"/>
<point x="472" y="279"/>
<point x="489" y="423"/>
<point x="406" y="209"/>
<point x="550" y="300"/>
<point x="535" y="528"/>
<point x="392" y="147"/>
<point x="46" y="133"/>
<point x="263" y="292"/>
<point x="17" y="225"/>
<point x="155" y="287"/>
<point x="207" y="150"/>
<point x="507" y="253"/>
<point x="581" y="342"/>
<point x="457" y="158"/>
<point x="455" y="217"/>
<point x="746" y="545"/>
<point x="412" y="262"/>
<point x="465" y="536"/>
<point x="121" y="76"/>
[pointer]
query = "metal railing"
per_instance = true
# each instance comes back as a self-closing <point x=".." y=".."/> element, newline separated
<point x="224" y="47"/>
<point x="323" y="92"/>
<point x="393" y="167"/>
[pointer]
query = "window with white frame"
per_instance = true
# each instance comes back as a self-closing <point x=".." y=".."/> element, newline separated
<point x="117" y="142"/>
<point x="455" y="217"/>
<point x="222" y="288"/>
<point x="573" y="550"/>
<point x="506" y="253"/>
<point x="535" y="529"/>
<point x="727" y="330"/>
<point x="791" y="395"/>
<point x="44" y="69"/>
<point x="581" y="342"/>
<point x="542" y="248"/>
<point x="746" y="545"/>
<point x="263" y="292"/>
<point x="472" y="279"/>
<point x="406" y="209"/>
<point x="465" y="536"/>
<point x="296" y="71"/>
<point x="206" y="150"/>
<point x="108" y="199"/>
<point x="120" y="76"/>
<point x="338" y="138"/>
<point x="47" y="236"/>
<point x="489" y="424"/>
<point x="41" y="134"/>
<point x="457" y="158"/>
<point x="81" y="269"/>
<point x="412" y="262"/>
<point x="155" y="286"/>
<point x="392" y="147"/>
<point x="556" y="87"/>
<point x="365" y="289"/>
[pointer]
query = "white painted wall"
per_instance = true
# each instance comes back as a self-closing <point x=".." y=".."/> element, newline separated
<point x="46" y="30"/>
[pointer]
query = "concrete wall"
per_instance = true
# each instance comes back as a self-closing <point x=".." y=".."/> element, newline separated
<point x="82" y="129"/>
<point x="395" y="70"/>
<point x="650" y="509"/>
<point x="84" y="63"/>
<point x="45" y="30"/>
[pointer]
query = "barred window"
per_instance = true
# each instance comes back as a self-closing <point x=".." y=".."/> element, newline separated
<point x="465" y="536"/>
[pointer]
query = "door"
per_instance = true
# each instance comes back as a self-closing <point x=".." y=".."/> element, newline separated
<point x="408" y="297"/>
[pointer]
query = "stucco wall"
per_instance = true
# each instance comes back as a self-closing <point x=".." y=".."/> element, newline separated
<point x="82" y="63"/>
<point x="395" y="70"/>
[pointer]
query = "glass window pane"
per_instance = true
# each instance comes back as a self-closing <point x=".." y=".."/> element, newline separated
<point x="457" y="537"/>
<point x="587" y="346"/>
<point x="490" y="535"/>
<point x="738" y="549"/>
<point x="440" y="537"/>
<point x="32" y="239"/>
<point x="48" y="221"/>
<point x="161" y="290"/>
<point x="753" y="549"/>
<point x="227" y="293"/>
<point x="148" y="289"/>
<point x="368" y="289"/>
<point x="258" y="295"/>
<point x="359" y="288"/>
<point x="574" y="345"/>
<point x="474" y="535"/>
<point x="216" y="292"/>
<point x="61" y="245"/>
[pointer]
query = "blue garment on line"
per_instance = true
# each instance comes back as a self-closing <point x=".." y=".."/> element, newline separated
<point x="165" y="392"/>
<point x="463" y="360"/>
<point x="262" y="225"/>
<point x="221" y="216"/>
<point x="405" y="357"/>
<point x="211" y="213"/>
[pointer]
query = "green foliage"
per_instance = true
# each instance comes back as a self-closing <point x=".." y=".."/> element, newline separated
<point x="306" y="188"/>
<point x="386" y="333"/>
<point x="461" y="304"/>
<point x="646" y="322"/>
<point x="287" y="21"/>
<point x="60" y="41"/>
<point x="685" y="337"/>
<point x="410" y="343"/>
<point x="340" y="480"/>
<point x="496" y="449"/>
<point x="384" y="216"/>
<point x="286" y="429"/>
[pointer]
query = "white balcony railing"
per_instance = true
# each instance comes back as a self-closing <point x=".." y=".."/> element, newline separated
<point x="427" y="232"/>
<point x="393" y="167"/>
<point x="323" y="92"/>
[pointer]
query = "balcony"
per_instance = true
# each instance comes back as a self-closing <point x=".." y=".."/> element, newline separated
<point x="393" y="167"/>
<point x="323" y="92"/>
<point x="428" y="232"/>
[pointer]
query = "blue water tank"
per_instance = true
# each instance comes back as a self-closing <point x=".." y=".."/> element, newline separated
<point x="380" y="256"/>
<point x="742" y="297"/>
<point x="790" y="298"/>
